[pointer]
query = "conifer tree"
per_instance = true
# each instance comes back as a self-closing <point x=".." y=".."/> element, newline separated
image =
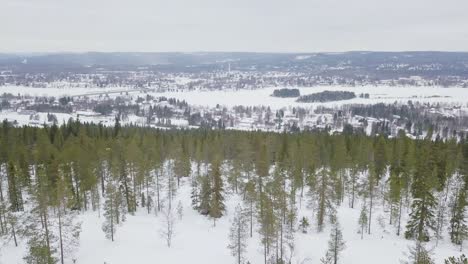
<point x="37" y="224"/>
<point x="419" y="255"/>
<point x="458" y="222"/>
<point x="114" y="210"/>
<point x="250" y="198"/>
<point x="336" y="244"/>
<point x="304" y="225"/>
<point x="14" y="188"/>
<point x="10" y="224"/>
<point x="205" y="195"/>
<point x="238" y="234"/>
<point x="68" y="227"/>
<point x="217" y="192"/>
<point x="460" y="260"/>
<point x="362" y="220"/>
<point x="422" y="218"/>
<point x="323" y="197"/>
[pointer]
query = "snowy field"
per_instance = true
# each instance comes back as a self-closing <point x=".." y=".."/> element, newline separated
<point x="197" y="240"/>
<point x="378" y="94"/>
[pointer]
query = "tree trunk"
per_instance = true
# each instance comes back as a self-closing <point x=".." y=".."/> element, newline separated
<point x="371" y="195"/>
<point x="13" y="232"/>
<point x="157" y="191"/>
<point x="47" y="239"/>
<point x="251" y="217"/>
<point x="239" y="243"/>
<point x="60" y="235"/>
<point x="399" y="216"/>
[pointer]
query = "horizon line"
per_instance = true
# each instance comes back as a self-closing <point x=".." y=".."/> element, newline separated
<point x="233" y="52"/>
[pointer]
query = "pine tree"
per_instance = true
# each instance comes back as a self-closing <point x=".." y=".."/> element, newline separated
<point x="217" y="196"/>
<point x="419" y="255"/>
<point x="195" y="192"/>
<point x="458" y="224"/>
<point x="336" y="244"/>
<point x="14" y="188"/>
<point x="422" y="218"/>
<point x="238" y="234"/>
<point x="396" y="183"/>
<point x="304" y="225"/>
<point x="114" y="210"/>
<point x="268" y="223"/>
<point x="250" y="198"/>
<point x="204" y="206"/>
<point x="183" y="165"/>
<point x="362" y="220"/>
<point x="38" y="226"/>
<point x="323" y="197"/>
<point x="460" y="260"/>
<point x="10" y="224"/>
<point x="68" y="227"/>
<point x="171" y="186"/>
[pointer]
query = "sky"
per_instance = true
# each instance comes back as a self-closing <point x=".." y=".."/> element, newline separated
<point x="233" y="25"/>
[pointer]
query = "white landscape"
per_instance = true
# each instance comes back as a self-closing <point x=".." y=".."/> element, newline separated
<point x="198" y="240"/>
<point x="378" y="94"/>
<point x="262" y="96"/>
<point x="233" y="132"/>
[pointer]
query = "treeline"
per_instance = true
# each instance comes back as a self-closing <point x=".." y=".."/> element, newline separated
<point x="50" y="174"/>
<point x="326" y="96"/>
<point x="285" y="92"/>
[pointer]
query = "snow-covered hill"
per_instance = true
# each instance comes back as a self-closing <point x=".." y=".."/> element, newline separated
<point x="198" y="239"/>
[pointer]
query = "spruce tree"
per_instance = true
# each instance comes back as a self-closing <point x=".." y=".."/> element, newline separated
<point x="217" y="192"/>
<point x="422" y="216"/>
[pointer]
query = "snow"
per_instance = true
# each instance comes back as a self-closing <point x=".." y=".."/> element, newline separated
<point x="262" y="96"/>
<point x="197" y="240"/>
<point x="380" y="94"/>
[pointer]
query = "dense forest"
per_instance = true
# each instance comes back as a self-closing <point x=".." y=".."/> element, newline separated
<point x="326" y="96"/>
<point x="49" y="175"/>
<point x="285" y="92"/>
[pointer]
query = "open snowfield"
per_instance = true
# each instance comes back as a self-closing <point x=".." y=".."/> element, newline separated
<point x="197" y="240"/>
<point x="379" y="94"/>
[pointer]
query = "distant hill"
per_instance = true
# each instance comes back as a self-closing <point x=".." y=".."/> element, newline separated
<point x="450" y="67"/>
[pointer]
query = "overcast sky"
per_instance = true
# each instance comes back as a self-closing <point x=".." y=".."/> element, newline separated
<point x="233" y="25"/>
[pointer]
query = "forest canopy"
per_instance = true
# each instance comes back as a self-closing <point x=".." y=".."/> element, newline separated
<point x="326" y="96"/>
<point x="285" y="92"/>
<point x="48" y="174"/>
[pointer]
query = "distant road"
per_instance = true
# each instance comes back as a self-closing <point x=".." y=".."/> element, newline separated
<point x="114" y="92"/>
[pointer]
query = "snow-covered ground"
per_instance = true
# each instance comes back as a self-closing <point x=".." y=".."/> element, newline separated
<point x="257" y="97"/>
<point x="378" y="94"/>
<point x="197" y="240"/>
